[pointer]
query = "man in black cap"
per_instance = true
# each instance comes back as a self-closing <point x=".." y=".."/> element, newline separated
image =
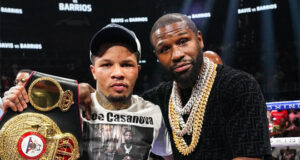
<point x="211" y="111"/>
<point x="114" y="53"/>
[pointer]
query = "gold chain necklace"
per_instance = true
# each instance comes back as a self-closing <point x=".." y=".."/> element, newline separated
<point x="186" y="128"/>
<point x="180" y="143"/>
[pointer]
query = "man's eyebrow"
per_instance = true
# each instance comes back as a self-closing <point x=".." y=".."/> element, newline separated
<point x="182" y="33"/>
<point x="177" y="34"/>
<point x="105" y="60"/>
<point x="127" y="61"/>
<point x="159" y="43"/>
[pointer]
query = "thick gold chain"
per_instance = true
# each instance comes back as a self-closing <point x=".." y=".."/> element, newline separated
<point x="180" y="143"/>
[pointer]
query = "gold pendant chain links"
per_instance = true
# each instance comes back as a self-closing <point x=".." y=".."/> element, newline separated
<point x="186" y="128"/>
<point x="180" y="143"/>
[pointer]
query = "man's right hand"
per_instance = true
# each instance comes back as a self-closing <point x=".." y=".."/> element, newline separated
<point x="15" y="98"/>
<point x="84" y="94"/>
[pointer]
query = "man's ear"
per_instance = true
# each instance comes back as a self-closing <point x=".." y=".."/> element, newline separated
<point x="200" y="39"/>
<point x="92" y="67"/>
<point x="139" y="68"/>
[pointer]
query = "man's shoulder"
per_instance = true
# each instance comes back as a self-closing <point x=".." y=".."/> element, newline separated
<point x="229" y="71"/>
<point x="159" y="90"/>
<point x="94" y="99"/>
<point x="160" y="87"/>
<point x="227" y="74"/>
<point x="229" y="82"/>
<point x="142" y="103"/>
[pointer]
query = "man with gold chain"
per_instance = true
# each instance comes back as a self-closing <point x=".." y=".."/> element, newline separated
<point x="115" y="52"/>
<point x="211" y="111"/>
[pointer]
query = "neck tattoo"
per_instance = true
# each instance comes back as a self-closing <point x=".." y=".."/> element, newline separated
<point x="194" y="108"/>
<point x="105" y="103"/>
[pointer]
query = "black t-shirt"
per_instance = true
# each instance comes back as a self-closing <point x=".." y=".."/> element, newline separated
<point x="235" y="121"/>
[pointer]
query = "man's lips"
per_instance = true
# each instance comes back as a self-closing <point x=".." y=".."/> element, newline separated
<point x="181" y="67"/>
<point x="119" y="87"/>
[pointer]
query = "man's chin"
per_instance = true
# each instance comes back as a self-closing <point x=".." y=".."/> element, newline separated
<point x="186" y="79"/>
<point x="128" y="141"/>
<point x="117" y="98"/>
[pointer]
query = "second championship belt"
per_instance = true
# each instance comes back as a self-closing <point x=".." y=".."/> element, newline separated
<point x="50" y="128"/>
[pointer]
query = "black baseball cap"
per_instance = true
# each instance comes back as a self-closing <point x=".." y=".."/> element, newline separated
<point x="114" y="33"/>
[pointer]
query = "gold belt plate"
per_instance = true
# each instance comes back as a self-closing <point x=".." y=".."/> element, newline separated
<point x="45" y="94"/>
<point x="36" y="136"/>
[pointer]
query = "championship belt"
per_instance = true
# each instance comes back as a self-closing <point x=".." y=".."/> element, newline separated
<point x="50" y="128"/>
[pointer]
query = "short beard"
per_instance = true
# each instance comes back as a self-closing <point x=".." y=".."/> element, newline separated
<point x="189" y="80"/>
<point x="113" y="102"/>
<point x="128" y="141"/>
<point x="120" y="99"/>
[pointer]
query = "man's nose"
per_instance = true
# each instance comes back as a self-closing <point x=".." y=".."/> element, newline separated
<point x="177" y="54"/>
<point x="117" y="72"/>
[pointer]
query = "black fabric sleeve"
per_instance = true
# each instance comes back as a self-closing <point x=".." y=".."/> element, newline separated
<point x="247" y="126"/>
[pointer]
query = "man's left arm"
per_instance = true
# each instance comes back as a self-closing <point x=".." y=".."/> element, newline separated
<point x="84" y="93"/>
<point x="247" y="124"/>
